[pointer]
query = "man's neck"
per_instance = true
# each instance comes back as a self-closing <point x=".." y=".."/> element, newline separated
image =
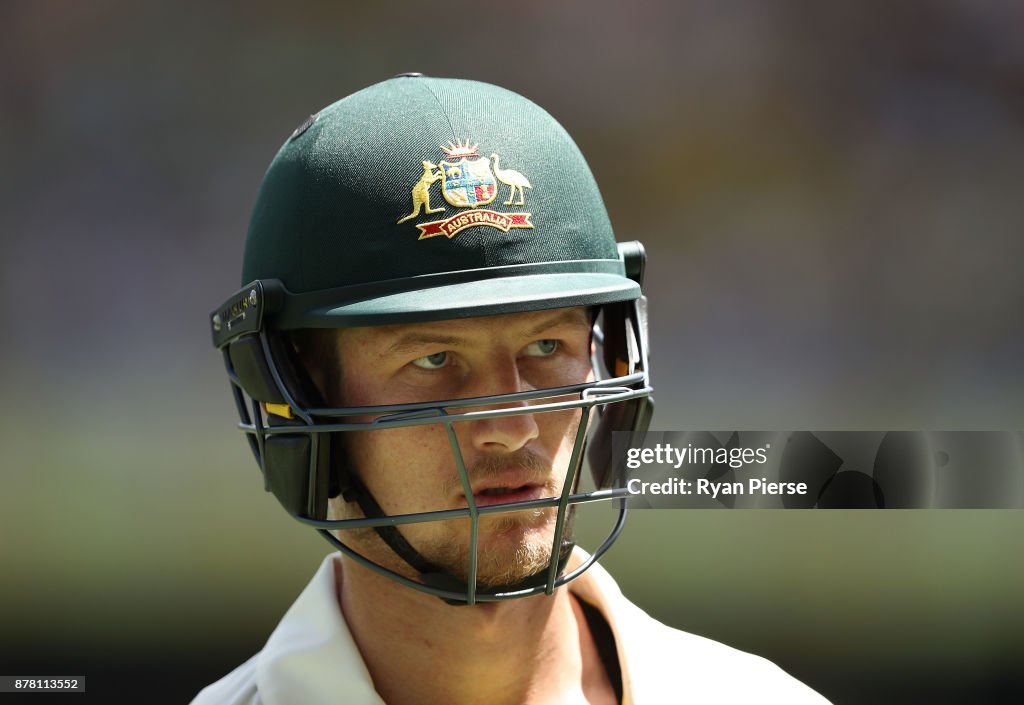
<point x="421" y="650"/>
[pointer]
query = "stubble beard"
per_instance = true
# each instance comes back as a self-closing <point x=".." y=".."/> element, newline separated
<point x="512" y="547"/>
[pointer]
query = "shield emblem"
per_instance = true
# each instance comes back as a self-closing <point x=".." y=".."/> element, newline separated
<point x="468" y="183"/>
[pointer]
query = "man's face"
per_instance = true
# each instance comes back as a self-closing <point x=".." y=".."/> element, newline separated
<point x="510" y="458"/>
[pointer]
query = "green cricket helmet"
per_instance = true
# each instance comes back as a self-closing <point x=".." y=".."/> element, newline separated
<point x="423" y="199"/>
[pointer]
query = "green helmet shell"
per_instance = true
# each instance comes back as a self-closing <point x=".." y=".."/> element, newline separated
<point x="426" y="199"/>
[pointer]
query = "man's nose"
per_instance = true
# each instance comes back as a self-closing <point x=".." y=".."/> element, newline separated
<point x="507" y="433"/>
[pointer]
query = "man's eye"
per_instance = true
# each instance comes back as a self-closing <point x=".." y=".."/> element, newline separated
<point x="432" y="362"/>
<point x="542" y="348"/>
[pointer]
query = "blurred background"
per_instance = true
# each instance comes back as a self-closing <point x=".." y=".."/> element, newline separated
<point x="830" y="196"/>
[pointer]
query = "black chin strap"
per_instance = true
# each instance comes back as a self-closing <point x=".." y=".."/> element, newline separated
<point x="356" y="491"/>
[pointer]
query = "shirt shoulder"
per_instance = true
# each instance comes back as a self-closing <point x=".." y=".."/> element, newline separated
<point x="236" y="688"/>
<point x="661" y="664"/>
<point x="662" y="660"/>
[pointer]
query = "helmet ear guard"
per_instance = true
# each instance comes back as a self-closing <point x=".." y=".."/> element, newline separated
<point x="296" y="467"/>
<point x="624" y="329"/>
<point x="621" y="349"/>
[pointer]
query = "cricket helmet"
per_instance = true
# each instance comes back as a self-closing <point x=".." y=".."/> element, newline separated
<point x="423" y="199"/>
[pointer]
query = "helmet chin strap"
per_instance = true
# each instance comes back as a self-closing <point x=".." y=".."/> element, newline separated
<point x="431" y="574"/>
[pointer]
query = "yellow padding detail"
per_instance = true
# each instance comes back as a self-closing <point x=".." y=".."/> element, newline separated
<point x="282" y="410"/>
<point x="621" y="368"/>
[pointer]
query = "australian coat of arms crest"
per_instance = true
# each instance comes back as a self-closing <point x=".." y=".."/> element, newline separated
<point x="468" y="181"/>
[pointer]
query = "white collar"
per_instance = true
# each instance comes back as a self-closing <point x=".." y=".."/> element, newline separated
<point x="311" y="658"/>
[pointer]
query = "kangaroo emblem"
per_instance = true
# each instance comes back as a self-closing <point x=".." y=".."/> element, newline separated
<point x="468" y="182"/>
<point x="421" y="191"/>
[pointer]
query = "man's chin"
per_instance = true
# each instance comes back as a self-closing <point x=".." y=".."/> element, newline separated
<point x="511" y="546"/>
<point x="524" y="563"/>
<point x="509" y="551"/>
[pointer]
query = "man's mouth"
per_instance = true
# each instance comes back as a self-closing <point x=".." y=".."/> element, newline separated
<point x="505" y="495"/>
